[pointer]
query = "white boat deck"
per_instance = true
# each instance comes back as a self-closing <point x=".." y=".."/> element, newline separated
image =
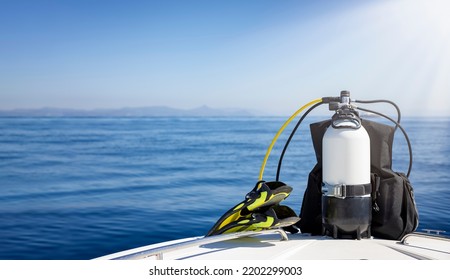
<point x="272" y="245"/>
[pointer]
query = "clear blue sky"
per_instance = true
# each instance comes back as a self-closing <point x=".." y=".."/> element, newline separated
<point x="271" y="56"/>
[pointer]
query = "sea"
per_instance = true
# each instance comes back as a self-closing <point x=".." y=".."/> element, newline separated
<point x="77" y="188"/>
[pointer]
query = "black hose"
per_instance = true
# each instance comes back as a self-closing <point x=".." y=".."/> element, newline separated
<point x="401" y="128"/>
<point x="383" y="101"/>
<point x="280" y="161"/>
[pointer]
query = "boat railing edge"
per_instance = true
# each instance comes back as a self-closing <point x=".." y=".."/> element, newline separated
<point x="159" y="251"/>
<point x="427" y="235"/>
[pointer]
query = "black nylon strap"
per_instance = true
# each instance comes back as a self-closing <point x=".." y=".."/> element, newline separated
<point x="342" y="190"/>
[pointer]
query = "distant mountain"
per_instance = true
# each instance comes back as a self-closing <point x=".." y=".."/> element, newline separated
<point x="153" y="111"/>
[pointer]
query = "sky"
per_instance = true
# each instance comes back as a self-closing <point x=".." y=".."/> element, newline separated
<point x="269" y="56"/>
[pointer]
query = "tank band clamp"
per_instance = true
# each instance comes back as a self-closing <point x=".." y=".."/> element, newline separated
<point x="343" y="191"/>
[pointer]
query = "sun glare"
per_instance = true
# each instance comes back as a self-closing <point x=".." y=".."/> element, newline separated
<point x="421" y="39"/>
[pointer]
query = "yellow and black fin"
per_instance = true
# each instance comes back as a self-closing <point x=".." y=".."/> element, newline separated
<point x="263" y="195"/>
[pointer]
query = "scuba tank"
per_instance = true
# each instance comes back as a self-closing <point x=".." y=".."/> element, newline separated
<point x="346" y="187"/>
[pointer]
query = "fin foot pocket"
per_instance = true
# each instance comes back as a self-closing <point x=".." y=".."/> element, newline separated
<point x="259" y="210"/>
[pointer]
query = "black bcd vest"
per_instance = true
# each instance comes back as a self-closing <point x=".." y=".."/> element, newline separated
<point x="394" y="211"/>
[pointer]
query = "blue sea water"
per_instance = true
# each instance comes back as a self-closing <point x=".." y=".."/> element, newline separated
<point x="80" y="188"/>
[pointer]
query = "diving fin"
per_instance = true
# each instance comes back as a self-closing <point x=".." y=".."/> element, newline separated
<point x="267" y="194"/>
<point x="258" y="221"/>
<point x="264" y="194"/>
<point x="288" y="218"/>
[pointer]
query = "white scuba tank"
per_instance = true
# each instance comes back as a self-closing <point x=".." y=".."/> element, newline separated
<point x="346" y="156"/>
<point x="346" y="186"/>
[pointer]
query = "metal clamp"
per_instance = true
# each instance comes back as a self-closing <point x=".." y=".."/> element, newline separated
<point x="337" y="190"/>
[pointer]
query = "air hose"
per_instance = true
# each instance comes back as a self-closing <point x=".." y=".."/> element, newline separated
<point x="280" y="161"/>
<point x="403" y="131"/>
<point x="274" y="140"/>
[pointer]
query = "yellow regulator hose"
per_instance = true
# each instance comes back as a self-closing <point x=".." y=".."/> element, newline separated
<point x="263" y="166"/>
